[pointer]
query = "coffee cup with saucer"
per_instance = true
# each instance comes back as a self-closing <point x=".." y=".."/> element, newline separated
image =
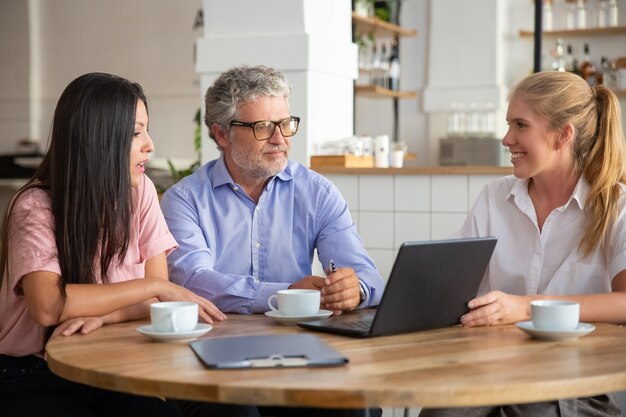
<point x="174" y="321"/>
<point x="296" y="305"/>
<point x="555" y="320"/>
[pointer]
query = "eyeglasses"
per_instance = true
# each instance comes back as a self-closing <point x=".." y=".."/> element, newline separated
<point x="264" y="129"/>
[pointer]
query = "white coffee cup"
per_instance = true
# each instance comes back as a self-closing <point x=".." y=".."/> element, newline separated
<point x="296" y="302"/>
<point x="397" y="158"/>
<point x="174" y="316"/>
<point x="555" y="315"/>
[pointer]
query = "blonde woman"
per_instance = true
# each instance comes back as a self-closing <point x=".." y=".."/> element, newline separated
<point x="560" y="219"/>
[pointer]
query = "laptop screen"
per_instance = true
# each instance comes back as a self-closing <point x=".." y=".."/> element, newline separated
<point x="429" y="286"/>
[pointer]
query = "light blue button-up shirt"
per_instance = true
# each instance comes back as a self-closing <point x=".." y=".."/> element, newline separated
<point x="237" y="253"/>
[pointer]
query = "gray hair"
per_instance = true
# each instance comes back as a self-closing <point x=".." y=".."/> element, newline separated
<point x="238" y="86"/>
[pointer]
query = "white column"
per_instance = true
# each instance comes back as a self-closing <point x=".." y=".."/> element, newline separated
<point x="465" y="64"/>
<point x="310" y="41"/>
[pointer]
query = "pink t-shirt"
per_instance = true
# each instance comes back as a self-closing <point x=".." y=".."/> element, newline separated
<point x="33" y="248"/>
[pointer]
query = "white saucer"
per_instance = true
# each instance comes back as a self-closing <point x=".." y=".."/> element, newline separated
<point x="322" y="314"/>
<point x="580" y="330"/>
<point x="201" y="328"/>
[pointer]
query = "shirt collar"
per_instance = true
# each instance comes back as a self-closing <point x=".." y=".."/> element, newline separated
<point x="520" y="187"/>
<point x="220" y="175"/>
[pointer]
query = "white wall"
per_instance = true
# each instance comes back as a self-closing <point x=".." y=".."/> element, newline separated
<point x="148" y="41"/>
<point x="14" y="73"/>
<point x="312" y="46"/>
<point x="152" y="41"/>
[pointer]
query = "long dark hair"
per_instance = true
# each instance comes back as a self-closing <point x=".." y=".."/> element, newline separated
<point x="86" y="171"/>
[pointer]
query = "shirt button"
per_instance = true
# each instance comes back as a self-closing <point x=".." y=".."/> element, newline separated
<point x="258" y="245"/>
<point x="236" y="188"/>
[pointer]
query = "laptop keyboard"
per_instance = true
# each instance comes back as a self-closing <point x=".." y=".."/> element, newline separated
<point x="361" y="326"/>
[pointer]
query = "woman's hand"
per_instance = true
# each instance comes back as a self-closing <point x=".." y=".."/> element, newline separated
<point x="84" y="325"/>
<point x="496" y="308"/>
<point x="207" y="311"/>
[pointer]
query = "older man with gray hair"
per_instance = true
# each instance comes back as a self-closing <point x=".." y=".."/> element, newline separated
<point x="249" y="222"/>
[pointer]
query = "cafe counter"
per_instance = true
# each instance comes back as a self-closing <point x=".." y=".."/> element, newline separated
<point x="417" y="170"/>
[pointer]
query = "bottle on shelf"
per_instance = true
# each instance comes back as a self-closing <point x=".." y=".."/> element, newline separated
<point x="570" y="15"/>
<point x="603" y="13"/>
<point x="548" y="15"/>
<point x="581" y="14"/>
<point x="601" y="70"/>
<point x="558" y="63"/>
<point x="456" y="120"/>
<point x="394" y="67"/>
<point x="374" y="65"/>
<point x="587" y="68"/>
<point x="383" y="78"/>
<point x="473" y="124"/>
<point x="571" y="63"/>
<point x="613" y="19"/>
<point x="611" y="75"/>
<point x="488" y="121"/>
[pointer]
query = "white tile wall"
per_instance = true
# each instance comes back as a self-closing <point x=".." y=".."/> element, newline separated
<point x="411" y="226"/>
<point x="412" y="193"/>
<point x="449" y="193"/>
<point x="383" y="259"/>
<point x="376" y="193"/>
<point x="348" y="185"/>
<point x="444" y="224"/>
<point x="376" y="229"/>
<point x="391" y="209"/>
<point x="476" y="185"/>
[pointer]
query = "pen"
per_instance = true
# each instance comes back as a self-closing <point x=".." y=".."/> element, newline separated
<point x="331" y="266"/>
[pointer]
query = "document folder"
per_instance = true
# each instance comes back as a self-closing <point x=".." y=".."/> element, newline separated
<point x="267" y="351"/>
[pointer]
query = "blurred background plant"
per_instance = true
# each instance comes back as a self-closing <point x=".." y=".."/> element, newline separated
<point x="179" y="174"/>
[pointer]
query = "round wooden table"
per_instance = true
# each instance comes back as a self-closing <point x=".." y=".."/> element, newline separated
<point x="438" y="368"/>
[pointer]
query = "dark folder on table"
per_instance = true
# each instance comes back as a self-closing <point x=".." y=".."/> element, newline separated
<point x="429" y="287"/>
<point x="266" y="351"/>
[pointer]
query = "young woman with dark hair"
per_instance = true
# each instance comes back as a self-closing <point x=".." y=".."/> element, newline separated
<point x="84" y="243"/>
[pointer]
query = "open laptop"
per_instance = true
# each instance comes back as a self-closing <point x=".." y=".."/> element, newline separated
<point x="429" y="287"/>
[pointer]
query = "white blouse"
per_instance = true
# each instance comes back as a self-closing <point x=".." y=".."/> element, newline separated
<point x="527" y="261"/>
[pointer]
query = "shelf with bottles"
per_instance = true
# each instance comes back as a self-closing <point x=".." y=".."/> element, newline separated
<point x="375" y="91"/>
<point x="379" y="61"/>
<point x="616" y="30"/>
<point x="371" y="25"/>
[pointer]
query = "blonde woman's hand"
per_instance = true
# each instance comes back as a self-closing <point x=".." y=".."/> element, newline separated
<point x="496" y="308"/>
<point x="207" y="311"/>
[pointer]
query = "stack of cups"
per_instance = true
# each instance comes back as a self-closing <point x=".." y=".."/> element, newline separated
<point x="381" y="151"/>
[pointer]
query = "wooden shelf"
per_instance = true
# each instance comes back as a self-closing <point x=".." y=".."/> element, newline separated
<point x="374" y="26"/>
<point x="374" y="91"/>
<point x="577" y="32"/>
<point x="620" y="93"/>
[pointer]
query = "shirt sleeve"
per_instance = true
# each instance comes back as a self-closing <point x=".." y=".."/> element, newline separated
<point x="338" y="240"/>
<point x="617" y="252"/>
<point x="193" y="264"/>
<point x="154" y="235"/>
<point x="31" y="232"/>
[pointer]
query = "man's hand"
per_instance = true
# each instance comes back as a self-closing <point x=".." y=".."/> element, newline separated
<point x="341" y="292"/>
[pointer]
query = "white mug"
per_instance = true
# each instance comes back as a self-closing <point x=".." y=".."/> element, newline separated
<point x="174" y="316"/>
<point x="296" y="302"/>
<point x="555" y="315"/>
<point x="397" y="158"/>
